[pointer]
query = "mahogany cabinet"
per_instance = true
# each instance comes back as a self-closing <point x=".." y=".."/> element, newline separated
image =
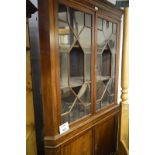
<point x="79" y="56"/>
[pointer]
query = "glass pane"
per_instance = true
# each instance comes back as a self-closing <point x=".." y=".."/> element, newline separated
<point x="114" y="29"/>
<point x="103" y="65"/>
<point x="77" y="111"/>
<point x="85" y="40"/>
<point x="79" y="21"/>
<point x="76" y="20"/>
<point x="111" y="86"/>
<point x="100" y="23"/>
<point x="62" y="13"/>
<point x="100" y="87"/>
<point x="99" y="67"/>
<point x="100" y="41"/>
<point x="106" y="99"/>
<point x="66" y="37"/>
<point x="64" y="70"/>
<point x="98" y="106"/>
<point x="67" y="99"/>
<point x="111" y="98"/>
<point x="84" y="94"/>
<point x="88" y="66"/>
<point x="112" y="43"/>
<point x="88" y="21"/>
<point x="107" y="29"/>
<point x="65" y="118"/>
<point x="112" y="46"/>
<point x="106" y="62"/>
<point x="76" y="66"/>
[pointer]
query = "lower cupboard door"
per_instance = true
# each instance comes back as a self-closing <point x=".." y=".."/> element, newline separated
<point x="106" y="137"/>
<point x="79" y="146"/>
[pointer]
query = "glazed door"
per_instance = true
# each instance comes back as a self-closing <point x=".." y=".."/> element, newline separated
<point x="105" y="62"/>
<point x="75" y="56"/>
<point x="106" y="137"/>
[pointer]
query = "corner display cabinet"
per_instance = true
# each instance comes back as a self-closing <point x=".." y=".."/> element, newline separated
<point x="79" y="57"/>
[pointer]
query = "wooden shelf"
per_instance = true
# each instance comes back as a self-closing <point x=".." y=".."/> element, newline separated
<point x="64" y="31"/>
<point x="102" y="78"/>
<point x="67" y="46"/>
<point x="74" y="82"/>
<point x="63" y="85"/>
<point x="78" y="81"/>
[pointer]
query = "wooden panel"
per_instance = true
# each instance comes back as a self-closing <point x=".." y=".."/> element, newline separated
<point x="29" y="94"/>
<point x="125" y="124"/>
<point x="31" y="141"/>
<point x="123" y="150"/>
<point x="49" y="66"/>
<point x="31" y="148"/>
<point x="27" y="35"/>
<point x="52" y="151"/>
<point x="80" y="146"/>
<point x="105" y="137"/>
